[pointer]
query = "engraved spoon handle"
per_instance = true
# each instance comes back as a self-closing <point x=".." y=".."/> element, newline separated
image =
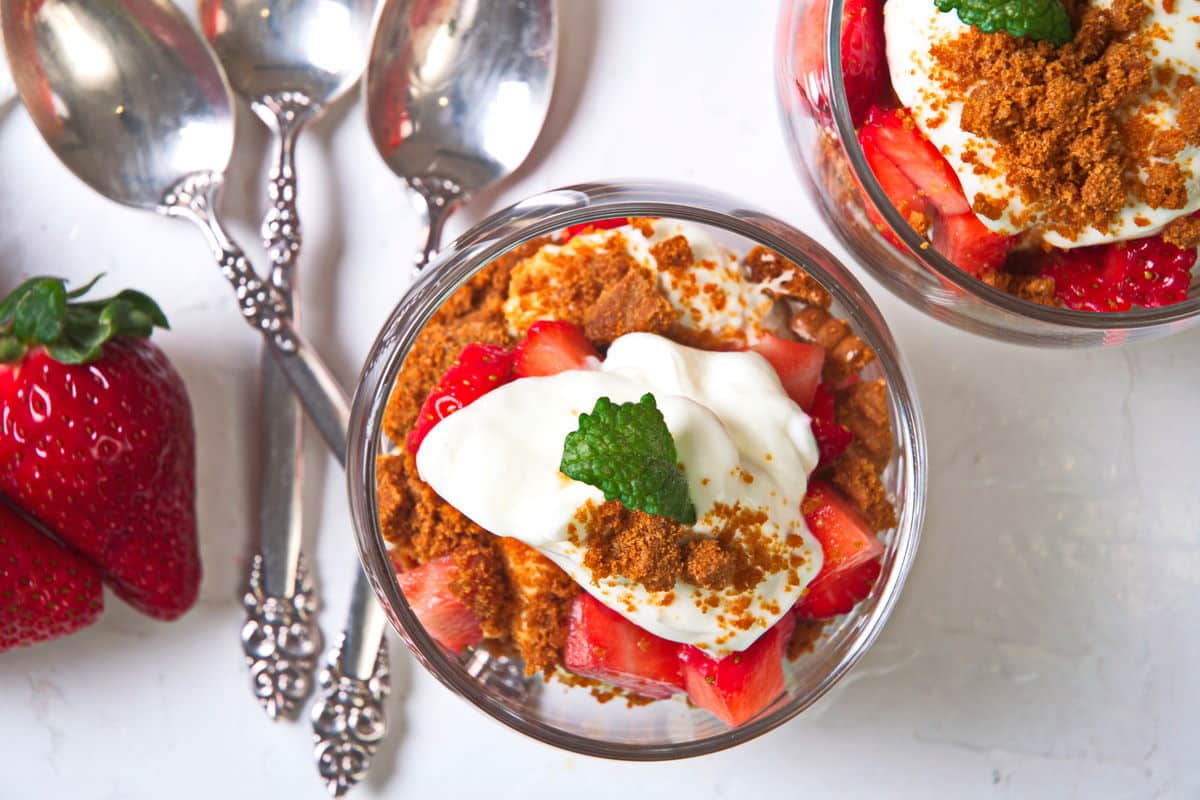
<point x="195" y="198"/>
<point x="438" y="198"/>
<point x="348" y="718"/>
<point x="280" y="637"/>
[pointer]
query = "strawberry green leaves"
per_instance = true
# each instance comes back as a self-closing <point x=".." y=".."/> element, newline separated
<point x="1043" y="20"/>
<point x="627" y="452"/>
<point x="41" y="312"/>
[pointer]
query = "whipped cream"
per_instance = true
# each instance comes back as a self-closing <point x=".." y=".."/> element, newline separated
<point x="912" y="27"/>
<point x="739" y="436"/>
<point x="711" y="295"/>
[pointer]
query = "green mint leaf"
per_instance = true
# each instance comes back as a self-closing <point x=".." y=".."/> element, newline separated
<point x="627" y="452"/>
<point x="38" y="315"/>
<point x="1042" y="20"/>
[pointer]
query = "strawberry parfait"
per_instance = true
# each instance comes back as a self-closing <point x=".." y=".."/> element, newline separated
<point x="1049" y="150"/>
<point x="639" y="464"/>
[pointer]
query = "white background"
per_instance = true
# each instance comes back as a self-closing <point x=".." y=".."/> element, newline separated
<point x="1045" y="645"/>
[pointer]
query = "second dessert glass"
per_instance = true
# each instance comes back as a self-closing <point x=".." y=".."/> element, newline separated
<point x="571" y="718"/>
<point x="824" y="144"/>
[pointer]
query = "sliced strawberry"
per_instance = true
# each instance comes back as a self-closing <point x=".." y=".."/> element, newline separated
<point x="428" y="590"/>
<point x="798" y="365"/>
<point x="738" y="687"/>
<point x="480" y="368"/>
<point x="893" y="134"/>
<point x="838" y="593"/>
<point x="847" y="542"/>
<point x="571" y="231"/>
<point x="864" y="68"/>
<point x="864" y="63"/>
<point x="551" y="347"/>
<point x="970" y="245"/>
<point x="832" y="438"/>
<point x="903" y="193"/>
<point x="46" y="591"/>
<point x="602" y="644"/>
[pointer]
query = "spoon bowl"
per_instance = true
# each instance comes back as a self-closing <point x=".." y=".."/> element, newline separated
<point x="311" y="47"/>
<point x="131" y="122"/>
<point x="457" y="92"/>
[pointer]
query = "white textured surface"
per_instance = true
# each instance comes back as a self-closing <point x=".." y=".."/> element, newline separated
<point x="1044" y="647"/>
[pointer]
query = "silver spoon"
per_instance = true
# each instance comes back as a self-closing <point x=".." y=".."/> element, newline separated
<point x="457" y="92"/>
<point x="288" y="62"/>
<point x="132" y="101"/>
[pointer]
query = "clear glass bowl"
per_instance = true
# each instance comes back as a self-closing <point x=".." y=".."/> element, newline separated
<point x="823" y="142"/>
<point x="570" y="717"/>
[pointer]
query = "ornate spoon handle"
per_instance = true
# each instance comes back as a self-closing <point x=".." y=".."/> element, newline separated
<point x="439" y="198"/>
<point x="195" y="198"/>
<point x="348" y="718"/>
<point x="281" y="637"/>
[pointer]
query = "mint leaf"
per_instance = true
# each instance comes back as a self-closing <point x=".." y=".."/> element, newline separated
<point x="627" y="452"/>
<point x="1042" y="20"/>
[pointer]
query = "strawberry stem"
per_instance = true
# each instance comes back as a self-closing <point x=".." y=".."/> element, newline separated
<point x="41" y="312"/>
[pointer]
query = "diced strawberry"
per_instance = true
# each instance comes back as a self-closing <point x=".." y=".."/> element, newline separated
<point x="444" y="615"/>
<point x="838" y="593"/>
<point x="1085" y="279"/>
<point x="970" y="245"/>
<point x="864" y="68"/>
<point x="571" y="231"/>
<point x="738" y="687"/>
<point x="832" y="438"/>
<point x="893" y="135"/>
<point x="798" y="365"/>
<point x="1156" y="273"/>
<point x="602" y="644"/>
<point x="480" y="368"/>
<point x="847" y="541"/>
<point x="551" y="347"/>
<point x="1148" y="272"/>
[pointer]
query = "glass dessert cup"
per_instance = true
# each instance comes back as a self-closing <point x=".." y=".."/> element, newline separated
<point x="823" y="142"/>
<point x="571" y="718"/>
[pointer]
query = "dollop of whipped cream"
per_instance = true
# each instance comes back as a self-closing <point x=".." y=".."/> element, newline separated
<point x="711" y="294"/>
<point x="741" y="440"/>
<point x="912" y="27"/>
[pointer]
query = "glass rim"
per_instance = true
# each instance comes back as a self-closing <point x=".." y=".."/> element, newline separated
<point x="539" y="216"/>
<point x="1107" y="321"/>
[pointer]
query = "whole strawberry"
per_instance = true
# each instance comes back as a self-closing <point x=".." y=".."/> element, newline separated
<point x="96" y="438"/>
<point x="46" y="591"/>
